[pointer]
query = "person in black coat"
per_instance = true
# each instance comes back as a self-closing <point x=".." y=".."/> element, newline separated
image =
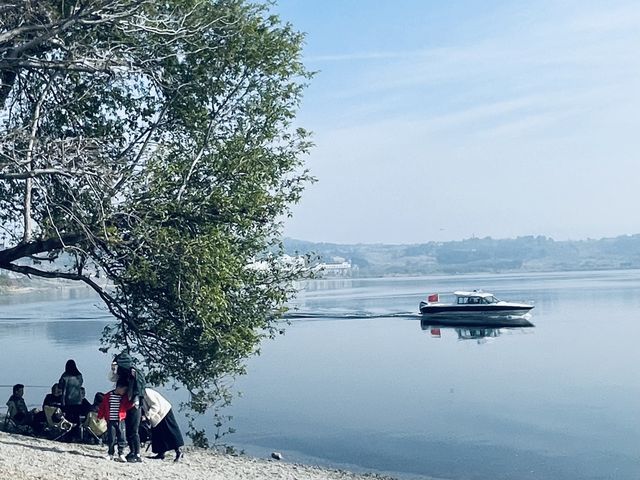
<point x="53" y="399"/>
<point x="128" y="374"/>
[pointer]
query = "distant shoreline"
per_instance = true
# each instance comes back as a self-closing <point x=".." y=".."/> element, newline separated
<point x="26" y="285"/>
<point x="477" y="255"/>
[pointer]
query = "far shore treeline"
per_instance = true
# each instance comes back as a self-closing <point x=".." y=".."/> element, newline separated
<point x="478" y="255"/>
<point x="473" y="255"/>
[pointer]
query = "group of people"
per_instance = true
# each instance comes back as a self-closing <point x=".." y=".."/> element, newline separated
<point x="67" y="397"/>
<point x="122" y="408"/>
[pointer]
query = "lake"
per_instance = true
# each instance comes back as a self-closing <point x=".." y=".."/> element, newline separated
<point x="359" y="382"/>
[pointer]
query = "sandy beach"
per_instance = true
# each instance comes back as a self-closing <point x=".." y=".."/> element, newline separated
<point x="29" y="458"/>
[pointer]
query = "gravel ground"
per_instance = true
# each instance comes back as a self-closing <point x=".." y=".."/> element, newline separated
<point x="28" y="458"/>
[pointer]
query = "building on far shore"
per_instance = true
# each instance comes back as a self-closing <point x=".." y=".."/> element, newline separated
<point x="338" y="267"/>
<point x="297" y="262"/>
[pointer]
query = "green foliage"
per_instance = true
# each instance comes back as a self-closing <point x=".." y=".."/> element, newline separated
<point x="154" y="143"/>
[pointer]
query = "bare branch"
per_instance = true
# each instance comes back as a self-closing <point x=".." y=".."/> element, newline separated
<point x="35" y="247"/>
<point x="111" y="303"/>
<point x="38" y="173"/>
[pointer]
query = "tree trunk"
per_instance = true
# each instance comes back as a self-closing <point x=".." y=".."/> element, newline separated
<point x="28" y="189"/>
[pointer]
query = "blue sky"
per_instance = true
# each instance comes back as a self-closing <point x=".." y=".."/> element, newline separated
<point x="446" y="120"/>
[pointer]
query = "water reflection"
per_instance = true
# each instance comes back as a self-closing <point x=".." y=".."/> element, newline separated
<point x="480" y="331"/>
<point x="70" y="334"/>
<point x="324" y="284"/>
<point x="66" y="334"/>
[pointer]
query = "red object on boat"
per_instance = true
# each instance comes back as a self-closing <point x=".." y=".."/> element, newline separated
<point x="432" y="298"/>
<point x="435" y="332"/>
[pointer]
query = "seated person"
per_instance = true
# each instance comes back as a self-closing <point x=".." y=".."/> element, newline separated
<point x="85" y="405"/>
<point x="53" y="399"/>
<point x="91" y="421"/>
<point x="97" y="400"/>
<point x="17" y="408"/>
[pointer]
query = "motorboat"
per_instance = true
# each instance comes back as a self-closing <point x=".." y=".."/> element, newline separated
<point x="477" y="304"/>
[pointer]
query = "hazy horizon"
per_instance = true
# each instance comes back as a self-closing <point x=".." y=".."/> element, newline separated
<point x="442" y="121"/>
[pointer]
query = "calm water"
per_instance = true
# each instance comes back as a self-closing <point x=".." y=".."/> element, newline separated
<point x="362" y="384"/>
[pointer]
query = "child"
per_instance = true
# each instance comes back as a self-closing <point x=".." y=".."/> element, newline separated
<point x="113" y="409"/>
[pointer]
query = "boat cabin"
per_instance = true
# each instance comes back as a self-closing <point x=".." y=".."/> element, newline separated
<point x="464" y="298"/>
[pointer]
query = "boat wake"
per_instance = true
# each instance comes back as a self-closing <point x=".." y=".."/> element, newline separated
<point x="348" y="315"/>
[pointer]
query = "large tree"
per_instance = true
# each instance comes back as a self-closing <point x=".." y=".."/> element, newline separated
<point x="152" y="143"/>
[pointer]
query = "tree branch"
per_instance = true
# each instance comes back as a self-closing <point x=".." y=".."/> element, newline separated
<point x="40" y="246"/>
<point x="41" y="172"/>
<point x="113" y="306"/>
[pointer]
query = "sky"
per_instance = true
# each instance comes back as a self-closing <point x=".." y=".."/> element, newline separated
<point x="436" y="121"/>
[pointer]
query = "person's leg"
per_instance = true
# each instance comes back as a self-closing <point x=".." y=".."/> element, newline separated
<point x="39" y="422"/>
<point x="31" y="415"/>
<point x="133" y="436"/>
<point x="71" y="413"/>
<point x="121" y="440"/>
<point x="20" y="418"/>
<point x="112" y="437"/>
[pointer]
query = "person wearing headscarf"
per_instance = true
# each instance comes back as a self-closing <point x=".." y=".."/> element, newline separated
<point x="131" y="376"/>
<point x="71" y="382"/>
<point x="165" y="433"/>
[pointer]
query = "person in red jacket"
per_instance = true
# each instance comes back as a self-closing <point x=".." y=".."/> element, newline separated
<point x="113" y="409"/>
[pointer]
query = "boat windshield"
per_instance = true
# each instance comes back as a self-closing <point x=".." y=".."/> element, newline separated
<point x="477" y="299"/>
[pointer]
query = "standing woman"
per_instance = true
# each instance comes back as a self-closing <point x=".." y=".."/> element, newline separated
<point x="134" y="379"/>
<point x="71" y="382"/>
<point x="165" y="433"/>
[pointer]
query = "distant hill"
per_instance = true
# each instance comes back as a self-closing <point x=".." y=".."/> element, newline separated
<point x="529" y="253"/>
